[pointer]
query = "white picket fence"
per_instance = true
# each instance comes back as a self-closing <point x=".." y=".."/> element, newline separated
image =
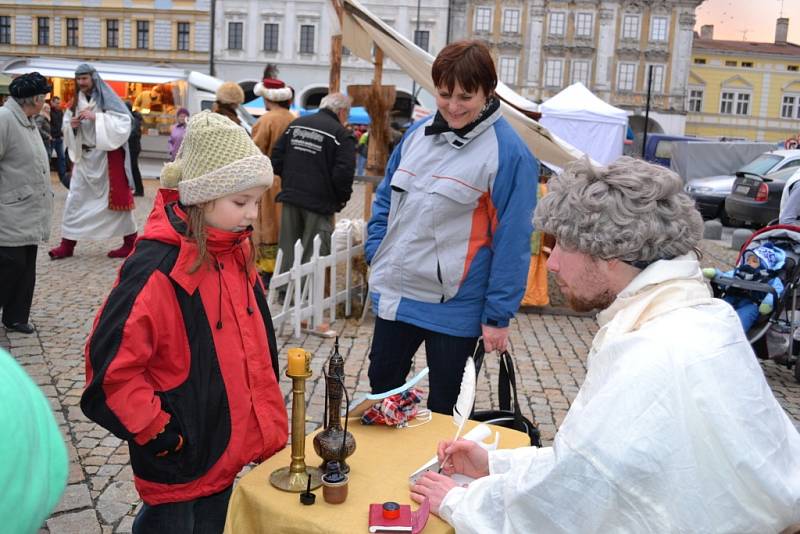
<point x="304" y="283"/>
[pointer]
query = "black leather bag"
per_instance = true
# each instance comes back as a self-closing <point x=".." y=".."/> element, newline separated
<point x="506" y="389"/>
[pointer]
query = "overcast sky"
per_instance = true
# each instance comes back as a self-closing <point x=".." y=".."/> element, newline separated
<point x="731" y="17"/>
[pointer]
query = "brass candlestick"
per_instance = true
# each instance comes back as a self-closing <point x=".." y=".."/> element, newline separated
<point x="296" y="476"/>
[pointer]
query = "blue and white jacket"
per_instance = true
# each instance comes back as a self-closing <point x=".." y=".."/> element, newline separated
<point x="449" y="238"/>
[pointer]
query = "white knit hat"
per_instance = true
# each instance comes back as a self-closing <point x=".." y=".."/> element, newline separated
<point x="216" y="158"/>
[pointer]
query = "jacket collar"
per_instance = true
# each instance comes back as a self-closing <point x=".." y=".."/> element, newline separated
<point x="331" y="113"/>
<point x="20" y="115"/>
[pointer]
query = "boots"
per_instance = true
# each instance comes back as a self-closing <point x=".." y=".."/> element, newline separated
<point x="64" y="250"/>
<point x="125" y="249"/>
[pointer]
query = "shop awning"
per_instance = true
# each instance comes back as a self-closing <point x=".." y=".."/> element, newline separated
<point x="120" y="72"/>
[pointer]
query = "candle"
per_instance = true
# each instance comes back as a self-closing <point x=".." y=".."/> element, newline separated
<point x="298" y="362"/>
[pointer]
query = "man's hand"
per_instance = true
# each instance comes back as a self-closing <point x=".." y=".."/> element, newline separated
<point x="494" y="338"/>
<point x="463" y="456"/>
<point x="74" y="122"/>
<point x="434" y="487"/>
<point x="87" y="114"/>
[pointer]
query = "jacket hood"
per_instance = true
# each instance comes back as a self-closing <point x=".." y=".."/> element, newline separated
<point x="167" y="223"/>
<point x="772" y="258"/>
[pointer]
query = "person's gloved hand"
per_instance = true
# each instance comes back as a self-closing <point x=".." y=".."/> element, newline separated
<point x="709" y="272"/>
<point x="765" y="309"/>
<point x="167" y="441"/>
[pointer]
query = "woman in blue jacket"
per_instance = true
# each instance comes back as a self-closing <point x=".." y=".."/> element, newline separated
<point x="449" y="239"/>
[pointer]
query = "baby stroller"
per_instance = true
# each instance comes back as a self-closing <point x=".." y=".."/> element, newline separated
<point x="784" y="320"/>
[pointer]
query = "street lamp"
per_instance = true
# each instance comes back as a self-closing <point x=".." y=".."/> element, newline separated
<point x="413" y="81"/>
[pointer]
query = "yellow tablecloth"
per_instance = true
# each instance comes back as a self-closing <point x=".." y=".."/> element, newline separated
<point x="379" y="471"/>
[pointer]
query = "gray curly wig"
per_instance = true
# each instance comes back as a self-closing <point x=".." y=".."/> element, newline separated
<point x="631" y="210"/>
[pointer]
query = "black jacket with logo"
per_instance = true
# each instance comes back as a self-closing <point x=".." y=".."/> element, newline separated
<point x="315" y="158"/>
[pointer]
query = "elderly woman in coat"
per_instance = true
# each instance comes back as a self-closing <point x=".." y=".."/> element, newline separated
<point x="26" y="200"/>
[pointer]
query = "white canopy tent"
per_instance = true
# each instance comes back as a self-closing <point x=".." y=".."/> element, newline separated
<point x="590" y="124"/>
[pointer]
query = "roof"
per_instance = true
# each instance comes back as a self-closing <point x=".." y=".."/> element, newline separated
<point x="65" y="68"/>
<point x="747" y="47"/>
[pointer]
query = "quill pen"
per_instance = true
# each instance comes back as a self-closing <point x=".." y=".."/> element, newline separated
<point x="465" y="401"/>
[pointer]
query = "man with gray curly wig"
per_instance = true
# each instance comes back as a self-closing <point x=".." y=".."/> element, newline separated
<point x="675" y="428"/>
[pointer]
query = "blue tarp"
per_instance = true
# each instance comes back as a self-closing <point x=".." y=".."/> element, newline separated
<point x="358" y="114"/>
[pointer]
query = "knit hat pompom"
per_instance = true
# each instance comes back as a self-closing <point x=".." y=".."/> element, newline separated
<point x="171" y="174"/>
<point x="216" y="158"/>
<point x="230" y="93"/>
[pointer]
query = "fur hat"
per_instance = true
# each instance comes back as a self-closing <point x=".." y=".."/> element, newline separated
<point x="273" y="90"/>
<point x="230" y="93"/>
<point x="30" y="84"/>
<point x="216" y="158"/>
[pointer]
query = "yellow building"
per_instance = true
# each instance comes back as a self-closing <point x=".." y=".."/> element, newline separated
<point x="744" y="89"/>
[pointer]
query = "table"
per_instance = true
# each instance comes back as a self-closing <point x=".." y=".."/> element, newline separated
<point x="379" y="471"/>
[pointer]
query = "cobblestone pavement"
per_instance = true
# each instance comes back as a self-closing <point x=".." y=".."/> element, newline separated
<point x="550" y="351"/>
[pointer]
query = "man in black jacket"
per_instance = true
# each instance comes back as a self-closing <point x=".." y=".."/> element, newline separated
<point x="134" y="148"/>
<point x="315" y="158"/>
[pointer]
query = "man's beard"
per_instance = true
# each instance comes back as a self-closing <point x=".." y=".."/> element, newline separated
<point x="600" y="301"/>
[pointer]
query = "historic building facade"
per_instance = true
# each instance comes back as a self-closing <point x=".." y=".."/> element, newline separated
<point x="542" y="46"/>
<point x="296" y="35"/>
<point x="745" y="89"/>
<point x="150" y="32"/>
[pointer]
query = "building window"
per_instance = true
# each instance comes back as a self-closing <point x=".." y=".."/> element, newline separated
<point x="557" y="24"/>
<point x="43" y="31"/>
<point x="511" y="21"/>
<point x="699" y="61"/>
<point x="142" y="34"/>
<point x="345" y="51"/>
<point x="271" y="33"/>
<point x="788" y="106"/>
<point x="580" y="72"/>
<point x="792" y="68"/>
<point x="5" y="30"/>
<point x="72" y="32"/>
<point x="508" y="70"/>
<point x="183" y="36"/>
<point x="730" y="63"/>
<point x="307" y="39"/>
<point x="422" y="38"/>
<point x="743" y="104"/>
<point x="112" y="33"/>
<point x="483" y="19"/>
<point x="734" y="103"/>
<point x="626" y="76"/>
<point x="630" y="27"/>
<point x="695" y="100"/>
<point x="658" y="28"/>
<point x="657" y="78"/>
<point x="747" y="64"/>
<point x="235" y="31"/>
<point x="583" y="24"/>
<point x="553" y="70"/>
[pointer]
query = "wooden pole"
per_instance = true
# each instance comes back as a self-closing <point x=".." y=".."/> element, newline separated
<point x="378" y="105"/>
<point x="336" y="52"/>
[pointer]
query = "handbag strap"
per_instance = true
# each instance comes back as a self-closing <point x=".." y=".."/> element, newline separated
<point x="508" y="386"/>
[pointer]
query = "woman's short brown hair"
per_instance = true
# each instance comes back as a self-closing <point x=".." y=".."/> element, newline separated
<point x="467" y="63"/>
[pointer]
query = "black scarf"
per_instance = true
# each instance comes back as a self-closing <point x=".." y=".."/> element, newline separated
<point x="439" y="125"/>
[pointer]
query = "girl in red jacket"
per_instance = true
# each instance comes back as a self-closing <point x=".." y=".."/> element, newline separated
<point x="182" y="360"/>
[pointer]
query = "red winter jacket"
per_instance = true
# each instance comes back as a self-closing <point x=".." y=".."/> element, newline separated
<point x="198" y="347"/>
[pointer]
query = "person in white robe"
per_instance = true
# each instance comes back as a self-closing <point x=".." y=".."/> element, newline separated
<point x="675" y="428"/>
<point x="99" y="204"/>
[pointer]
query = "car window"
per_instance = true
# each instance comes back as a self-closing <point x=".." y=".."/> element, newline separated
<point x="762" y="164"/>
<point x="664" y="149"/>
<point x="790" y="164"/>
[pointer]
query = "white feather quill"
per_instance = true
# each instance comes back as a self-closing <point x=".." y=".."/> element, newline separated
<point x="466" y="397"/>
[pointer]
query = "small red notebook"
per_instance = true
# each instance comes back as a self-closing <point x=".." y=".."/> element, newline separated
<point x="408" y="521"/>
<point x="377" y="523"/>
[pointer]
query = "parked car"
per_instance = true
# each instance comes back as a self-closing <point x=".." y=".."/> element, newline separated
<point x="757" y="199"/>
<point x="710" y="193"/>
<point x="659" y="147"/>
